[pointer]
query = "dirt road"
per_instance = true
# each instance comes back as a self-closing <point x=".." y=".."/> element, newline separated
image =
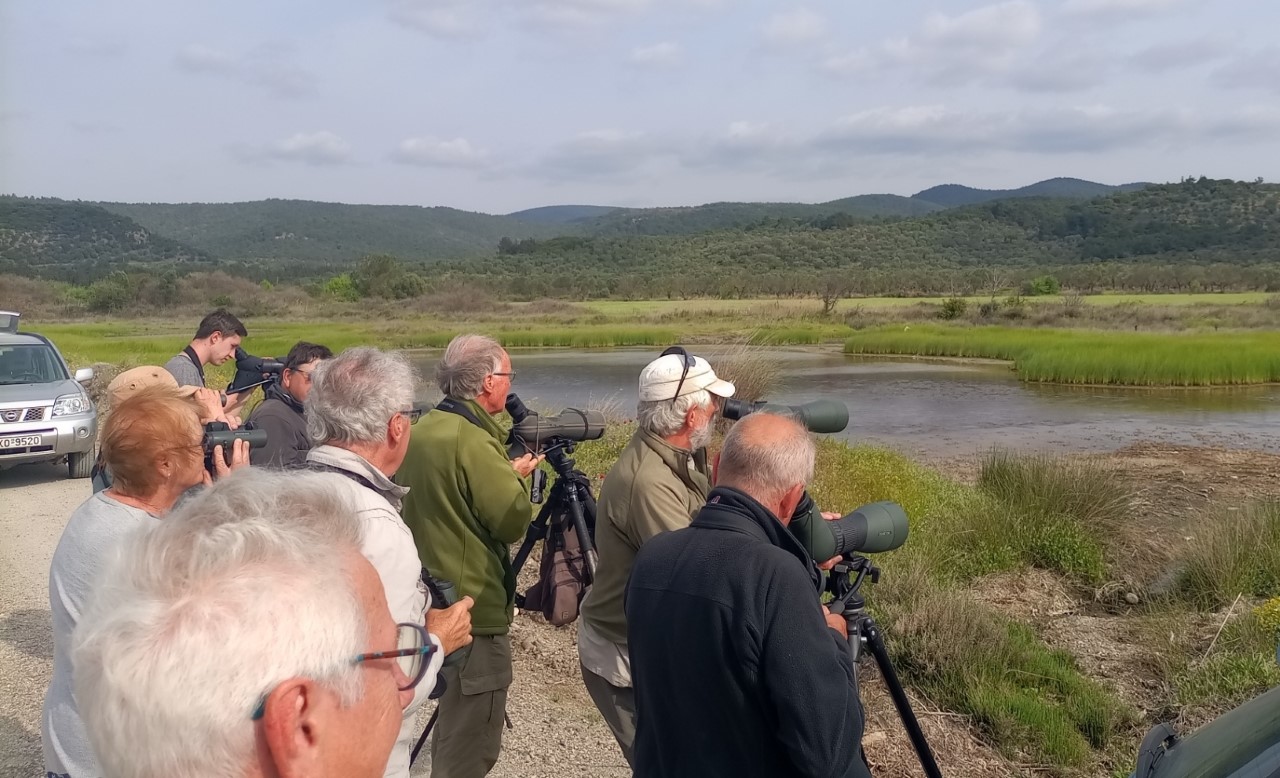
<point x="35" y="502"/>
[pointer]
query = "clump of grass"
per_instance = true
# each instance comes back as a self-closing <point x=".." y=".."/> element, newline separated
<point x="1235" y="552"/>
<point x="1242" y="664"/>
<point x="1092" y="357"/>
<point x="1030" y="700"/>
<point x="1057" y="511"/>
<point x="753" y="372"/>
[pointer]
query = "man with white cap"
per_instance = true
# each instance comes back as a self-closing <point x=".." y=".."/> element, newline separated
<point x="657" y="485"/>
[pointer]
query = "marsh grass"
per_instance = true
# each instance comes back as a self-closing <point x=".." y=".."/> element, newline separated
<point x="1093" y="357"/>
<point x="1233" y="553"/>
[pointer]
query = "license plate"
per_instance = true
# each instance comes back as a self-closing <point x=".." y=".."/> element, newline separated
<point x="22" y="441"/>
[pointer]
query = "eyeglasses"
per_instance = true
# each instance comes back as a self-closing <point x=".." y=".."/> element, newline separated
<point x="413" y="414"/>
<point x="689" y="362"/>
<point x="509" y="374"/>
<point x="412" y="656"/>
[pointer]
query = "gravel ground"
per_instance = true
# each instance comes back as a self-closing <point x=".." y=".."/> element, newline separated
<point x="35" y="502"/>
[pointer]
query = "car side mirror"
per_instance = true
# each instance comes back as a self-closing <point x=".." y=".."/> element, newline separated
<point x="84" y="375"/>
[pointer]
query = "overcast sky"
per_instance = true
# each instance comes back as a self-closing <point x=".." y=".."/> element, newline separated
<point x="497" y="105"/>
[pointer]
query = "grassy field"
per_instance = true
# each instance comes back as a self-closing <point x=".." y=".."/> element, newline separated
<point x="1092" y="357"/>
<point x="648" y="307"/>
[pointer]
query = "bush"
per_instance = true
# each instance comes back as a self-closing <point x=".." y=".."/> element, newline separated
<point x="341" y="288"/>
<point x="989" y="309"/>
<point x="1235" y="552"/>
<point x="1044" y="285"/>
<point x="1015" y="307"/>
<point x="953" y="308"/>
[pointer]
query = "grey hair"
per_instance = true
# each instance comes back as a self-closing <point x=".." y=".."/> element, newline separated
<point x="242" y="587"/>
<point x="665" y="417"/>
<point x="766" y="468"/>
<point x="356" y="393"/>
<point x="467" y="361"/>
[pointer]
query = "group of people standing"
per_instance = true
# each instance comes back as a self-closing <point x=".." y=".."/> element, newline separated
<point x="271" y="617"/>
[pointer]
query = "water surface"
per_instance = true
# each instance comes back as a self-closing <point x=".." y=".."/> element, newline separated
<point x="936" y="408"/>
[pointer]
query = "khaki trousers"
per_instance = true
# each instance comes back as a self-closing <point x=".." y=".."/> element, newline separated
<point x="617" y="704"/>
<point x="468" y="734"/>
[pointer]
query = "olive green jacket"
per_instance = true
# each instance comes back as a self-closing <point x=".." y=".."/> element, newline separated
<point x="653" y="488"/>
<point x="465" y="506"/>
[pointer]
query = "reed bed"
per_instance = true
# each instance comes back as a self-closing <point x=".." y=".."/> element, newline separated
<point x="1093" y="357"/>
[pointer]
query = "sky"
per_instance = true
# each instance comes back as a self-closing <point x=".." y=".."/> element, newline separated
<point x="500" y="105"/>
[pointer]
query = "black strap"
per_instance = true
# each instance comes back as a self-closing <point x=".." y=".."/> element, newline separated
<point x="320" y="467"/>
<point x="450" y="405"/>
<point x="195" y="360"/>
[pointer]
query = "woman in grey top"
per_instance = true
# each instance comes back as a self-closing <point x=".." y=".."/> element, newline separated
<point x="151" y="443"/>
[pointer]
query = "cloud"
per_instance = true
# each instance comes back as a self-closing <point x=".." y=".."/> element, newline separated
<point x="659" y="55"/>
<point x="950" y="50"/>
<point x="1164" y="57"/>
<point x="434" y="152"/>
<point x="797" y="27"/>
<point x="601" y="155"/>
<point x="321" y="148"/>
<point x="1253" y="70"/>
<point x="439" y="18"/>
<point x="1060" y="71"/>
<point x="1119" y="9"/>
<point x="454" y="19"/>
<point x="265" y="68"/>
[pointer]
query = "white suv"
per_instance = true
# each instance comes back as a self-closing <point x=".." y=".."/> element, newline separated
<point x="45" y="413"/>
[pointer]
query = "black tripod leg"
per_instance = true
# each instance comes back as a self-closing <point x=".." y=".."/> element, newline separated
<point x="584" y="535"/>
<point x="431" y="722"/>
<point x="537" y="531"/>
<point x="875" y="642"/>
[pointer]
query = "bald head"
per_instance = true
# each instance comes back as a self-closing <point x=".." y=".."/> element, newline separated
<point x="767" y="455"/>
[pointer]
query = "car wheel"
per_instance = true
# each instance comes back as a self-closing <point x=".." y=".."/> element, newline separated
<point x="80" y="465"/>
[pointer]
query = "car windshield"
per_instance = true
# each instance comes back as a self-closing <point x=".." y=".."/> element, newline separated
<point x="29" y="363"/>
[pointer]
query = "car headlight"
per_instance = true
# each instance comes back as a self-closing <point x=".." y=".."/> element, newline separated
<point x="70" y="404"/>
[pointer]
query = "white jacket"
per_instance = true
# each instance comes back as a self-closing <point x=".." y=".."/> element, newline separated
<point x="389" y="547"/>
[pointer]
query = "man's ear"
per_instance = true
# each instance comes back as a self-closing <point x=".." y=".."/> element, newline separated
<point x="289" y="732"/>
<point x="397" y="429"/>
<point x="790" y="500"/>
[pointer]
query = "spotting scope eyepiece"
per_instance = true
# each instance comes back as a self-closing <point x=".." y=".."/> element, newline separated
<point x="817" y="416"/>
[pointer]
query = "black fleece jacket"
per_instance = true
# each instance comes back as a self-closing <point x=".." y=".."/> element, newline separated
<point x="734" y="668"/>
<point x="281" y="416"/>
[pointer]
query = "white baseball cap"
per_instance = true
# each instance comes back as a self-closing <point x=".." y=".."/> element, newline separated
<point x="660" y="379"/>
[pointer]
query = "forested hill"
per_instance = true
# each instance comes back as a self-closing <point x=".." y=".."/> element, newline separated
<point x="955" y="195"/>
<point x="78" y="241"/>
<point x="692" y="220"/>
<point x="1191" y="224"/>
<point x="313" y="233"/>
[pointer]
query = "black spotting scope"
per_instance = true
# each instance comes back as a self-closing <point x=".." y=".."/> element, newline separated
<point x="253" y="371"/>
<point x="817" y="416"/>
<point x="872" y="528"/>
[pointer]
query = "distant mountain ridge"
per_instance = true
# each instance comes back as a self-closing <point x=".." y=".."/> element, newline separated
<point x="956" y="195"/>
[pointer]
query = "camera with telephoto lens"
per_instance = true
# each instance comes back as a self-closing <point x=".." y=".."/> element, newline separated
<point x="252" y="372"/>
<point x="219" y="433"/>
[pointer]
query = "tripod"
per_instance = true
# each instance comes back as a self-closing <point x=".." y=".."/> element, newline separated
<point x="845" y="583"/>
<point x="570" y="499"/>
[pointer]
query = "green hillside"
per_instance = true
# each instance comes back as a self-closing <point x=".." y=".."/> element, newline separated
<point x="562" y="214"/>
<point x="1219" y="225"/>
<point x="956" y="195"/>
<point x="329" y="234"/>
<point x="78" y="241"/>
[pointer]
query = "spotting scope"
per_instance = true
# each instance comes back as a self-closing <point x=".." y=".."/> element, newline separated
<point x="817" y="416"/>
<point x="533" y="430"/>
<point x="874" y="527"/>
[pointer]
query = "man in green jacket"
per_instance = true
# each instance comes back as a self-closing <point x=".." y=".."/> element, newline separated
<point x="467" y="503"/>
<point x="658" y="483"/>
